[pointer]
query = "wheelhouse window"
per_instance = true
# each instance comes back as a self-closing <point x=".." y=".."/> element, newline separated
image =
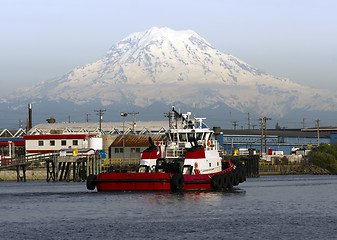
<point x="64" y="142"/>
<point x="52" y="143"/>
<point x="190" y="137"/>
<point x="75" y="142"/>
<point x="40" y="142"/>
<point x="199" y="136"/>
<point x="182" y="137"/>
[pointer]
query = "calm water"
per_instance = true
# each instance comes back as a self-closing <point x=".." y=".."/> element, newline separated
<point x="270" y="207"/>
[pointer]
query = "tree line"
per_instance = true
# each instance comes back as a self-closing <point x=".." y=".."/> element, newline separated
<point x="325" y="156"/>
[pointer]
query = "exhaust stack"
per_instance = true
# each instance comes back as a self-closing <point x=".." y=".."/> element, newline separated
<point x="30" y="121"/>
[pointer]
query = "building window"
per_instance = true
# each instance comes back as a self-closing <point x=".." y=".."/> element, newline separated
<point x="40" y="142"/>
<point x="75" y="142"/>
<point x="135" y="150"/>
<point x="52" y="143"/>
<point x="119" y="150"/>
<point x="64" y="142"/>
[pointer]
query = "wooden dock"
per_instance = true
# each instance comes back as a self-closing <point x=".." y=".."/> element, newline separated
<point x="58" y="168"/>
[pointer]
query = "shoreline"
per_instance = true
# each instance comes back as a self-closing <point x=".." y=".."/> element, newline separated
<point x="40" y="173"/>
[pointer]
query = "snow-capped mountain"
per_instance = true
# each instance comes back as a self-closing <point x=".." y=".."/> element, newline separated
<point x="167" y="66"/>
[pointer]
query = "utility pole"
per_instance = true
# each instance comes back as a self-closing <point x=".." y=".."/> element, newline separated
<point x="235" y="123"/>
<point x="248" y="121"/>
<point x="317" y="124"/>
<point x="69" y="119"/>
<point x="123" y="115"/>
<point x="265" y="133"/>
<point x="261" y="119"/>
<point x="133" y="121"/>
<point x="303" y="123"/>
<point x="87" y="118"/>
<point x="100" y="113"/>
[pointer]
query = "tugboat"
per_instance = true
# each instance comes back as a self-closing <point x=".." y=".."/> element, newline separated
<point x="190" y="160"/>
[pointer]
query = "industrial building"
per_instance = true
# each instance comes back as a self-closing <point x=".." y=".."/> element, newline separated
<point x="278" y="140"/>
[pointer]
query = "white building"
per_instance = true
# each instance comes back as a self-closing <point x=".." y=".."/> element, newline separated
<point x="50" y="142"/>
<point x="49" y="137"/>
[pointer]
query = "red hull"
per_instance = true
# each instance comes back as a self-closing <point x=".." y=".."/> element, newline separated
<point x="133" y="181"/>
<point x="151" y="181"/>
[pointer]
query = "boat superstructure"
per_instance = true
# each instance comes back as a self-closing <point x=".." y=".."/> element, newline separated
<point x="190" y="143"/>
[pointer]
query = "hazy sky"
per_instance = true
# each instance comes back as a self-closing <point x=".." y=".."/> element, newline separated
<point x="43" y="39"/>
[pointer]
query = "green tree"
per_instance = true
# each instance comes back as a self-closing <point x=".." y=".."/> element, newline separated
<point x="325" y="156"/>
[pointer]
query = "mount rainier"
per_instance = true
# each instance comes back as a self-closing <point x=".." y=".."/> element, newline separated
<point x="161" y="65"/>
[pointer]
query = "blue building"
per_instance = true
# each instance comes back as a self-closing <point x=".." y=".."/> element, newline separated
<point x="278" y="140"/>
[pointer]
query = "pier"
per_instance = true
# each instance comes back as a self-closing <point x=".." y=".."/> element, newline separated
<point x="51" y="166"/>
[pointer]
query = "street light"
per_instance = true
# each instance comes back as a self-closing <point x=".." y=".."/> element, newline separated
<point x="123" y="115"/>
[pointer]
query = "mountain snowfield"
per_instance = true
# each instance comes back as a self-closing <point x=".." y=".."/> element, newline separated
<point x="163" y="65"/>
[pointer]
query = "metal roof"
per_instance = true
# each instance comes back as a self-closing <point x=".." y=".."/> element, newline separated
<point x="141" y="127"/>
<point x="138" y="140"/>
<point x="12" y="133"/>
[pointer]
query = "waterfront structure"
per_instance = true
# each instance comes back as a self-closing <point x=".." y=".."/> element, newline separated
<point x="277" y="140"/>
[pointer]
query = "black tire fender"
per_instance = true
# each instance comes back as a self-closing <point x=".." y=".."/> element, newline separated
<point x="230" y="180"/>
<point x="242" y="177"/>
<point x="236" y="177"/>
<point x="216" y="182"/>
<point x="226" y="180"/>
<point x="91" y="182"/>
<point x="177" y="182"/>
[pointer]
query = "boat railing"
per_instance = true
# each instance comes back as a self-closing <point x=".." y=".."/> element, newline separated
<point x="175" y="152"/>
<point x="212" y="145"/>
<point x="120" y="161"/>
